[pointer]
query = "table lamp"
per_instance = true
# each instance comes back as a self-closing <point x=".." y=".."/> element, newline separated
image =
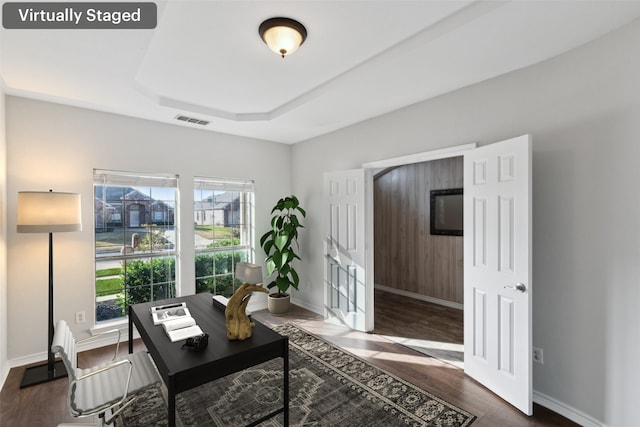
<point x="239" y="325"/>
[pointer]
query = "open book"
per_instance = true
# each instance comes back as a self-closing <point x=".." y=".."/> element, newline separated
<point x="176" y="321"/>
<point x="165" y="313"/>
<point x="182" y="328"/>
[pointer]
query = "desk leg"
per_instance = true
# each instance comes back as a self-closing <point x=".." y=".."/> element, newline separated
<point x="130" y="331"/>
<point x="171" y="404"/>
<point x="286" y="382"/>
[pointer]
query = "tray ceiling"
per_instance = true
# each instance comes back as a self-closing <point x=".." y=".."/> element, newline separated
<point x="361" y="59"/>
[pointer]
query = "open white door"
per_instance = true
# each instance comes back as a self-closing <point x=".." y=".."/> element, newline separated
<point x="497" y="269"/>
<point x="348" y="295"/>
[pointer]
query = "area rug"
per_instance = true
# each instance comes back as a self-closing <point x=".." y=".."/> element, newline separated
<point x="327" y="385"/>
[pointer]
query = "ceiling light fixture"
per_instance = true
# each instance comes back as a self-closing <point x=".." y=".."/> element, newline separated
<point x="283" y="35"/>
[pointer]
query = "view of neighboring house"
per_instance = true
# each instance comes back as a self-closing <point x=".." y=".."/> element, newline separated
<point x="221" y="210"/>
<point x="128" y="207"/>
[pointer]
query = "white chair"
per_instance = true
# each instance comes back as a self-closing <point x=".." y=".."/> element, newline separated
<point x="108" y="387"/>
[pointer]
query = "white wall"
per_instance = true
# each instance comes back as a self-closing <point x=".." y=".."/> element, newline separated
<point x="583" y="110"/>
<point x="3" y="239"/>
<point x="55" y="146"/>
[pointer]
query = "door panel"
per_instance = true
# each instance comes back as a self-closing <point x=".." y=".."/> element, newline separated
<point x="497" y="271"/>
<point x="348" y="292"/>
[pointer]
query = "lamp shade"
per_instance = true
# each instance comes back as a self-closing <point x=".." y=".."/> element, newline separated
<point x="48" y="212"/>
<point x="249" y="273"/>
<point x="283" y="35"/>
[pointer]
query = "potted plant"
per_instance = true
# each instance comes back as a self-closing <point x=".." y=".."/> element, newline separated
<point x="278" y="244"/>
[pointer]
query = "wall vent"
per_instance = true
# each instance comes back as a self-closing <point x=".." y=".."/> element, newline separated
<point x="191" y="120"/>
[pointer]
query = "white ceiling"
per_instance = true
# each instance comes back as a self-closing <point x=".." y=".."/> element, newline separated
<point x="362" y="58"/>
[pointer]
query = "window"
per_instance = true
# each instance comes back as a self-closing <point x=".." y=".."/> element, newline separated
<point x="135" y="240"/>
<point x="223" y="232"/>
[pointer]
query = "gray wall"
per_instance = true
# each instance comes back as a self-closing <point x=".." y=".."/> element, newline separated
<point x="56" y="146"/>
<point x="583" y="110"/>
<point x="3" y="239"/>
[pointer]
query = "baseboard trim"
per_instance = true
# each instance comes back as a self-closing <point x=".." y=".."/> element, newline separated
<point x="4" y="373"/>
<point x="565" y="410"/>
<point x="425" y="298"/>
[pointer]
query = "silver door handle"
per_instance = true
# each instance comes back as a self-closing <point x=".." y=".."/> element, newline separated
<point x="518" y="287"/>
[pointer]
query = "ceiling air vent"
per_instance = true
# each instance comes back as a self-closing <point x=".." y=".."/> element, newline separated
<point x="191" y="120"/>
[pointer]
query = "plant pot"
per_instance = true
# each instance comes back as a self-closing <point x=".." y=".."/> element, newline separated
<point x="278" y="304"/>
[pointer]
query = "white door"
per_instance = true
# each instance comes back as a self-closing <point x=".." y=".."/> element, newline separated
<point x="348" y="290"/>
<point x="497" y="269"/>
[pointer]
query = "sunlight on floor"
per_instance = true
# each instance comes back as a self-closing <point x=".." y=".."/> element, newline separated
<point x="447" y="352"/>
<point x="391" y="356"/>
<point x="450" y="355"/>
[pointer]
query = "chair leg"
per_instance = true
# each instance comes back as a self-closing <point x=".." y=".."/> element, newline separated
<point x="120" y="417"/>
<point x="115" y="414"/>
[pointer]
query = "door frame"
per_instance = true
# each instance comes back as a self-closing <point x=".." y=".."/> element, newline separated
<point x="442" y="153"/>
<point x="371" y="169"/>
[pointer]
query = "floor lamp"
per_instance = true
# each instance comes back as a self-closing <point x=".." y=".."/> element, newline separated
<point x="47" y="212"/>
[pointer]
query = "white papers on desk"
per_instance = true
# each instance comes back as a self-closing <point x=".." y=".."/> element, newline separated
<point x="181" y="329"/>
<point x="165" y="313"/>
<point x="176" y="321"/>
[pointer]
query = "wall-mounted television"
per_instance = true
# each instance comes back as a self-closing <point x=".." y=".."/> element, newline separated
<point x="446" y="212"/>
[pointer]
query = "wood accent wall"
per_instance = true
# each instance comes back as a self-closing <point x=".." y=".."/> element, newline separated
<point x="407" y="256"/>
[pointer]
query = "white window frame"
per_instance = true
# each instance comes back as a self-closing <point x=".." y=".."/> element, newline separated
<point x="108" y="178"/>
<point x="247" y="223"/>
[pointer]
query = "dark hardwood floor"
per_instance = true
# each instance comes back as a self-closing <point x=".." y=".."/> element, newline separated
<point x="45" y="405"/>
<point x="397" y="315"/>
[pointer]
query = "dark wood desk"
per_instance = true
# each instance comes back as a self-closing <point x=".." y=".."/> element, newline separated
<point x="182" y="369"/>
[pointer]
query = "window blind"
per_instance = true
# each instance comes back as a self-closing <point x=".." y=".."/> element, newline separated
<point x="133" y="179"/>
<point x="222" y="184"/>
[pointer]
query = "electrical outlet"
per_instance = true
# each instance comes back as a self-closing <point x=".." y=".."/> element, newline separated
<point x="538" y="355"/>
<point x="80" y="317"/>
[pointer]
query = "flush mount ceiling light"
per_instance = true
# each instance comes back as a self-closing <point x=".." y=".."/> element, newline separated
<point x="283" y="35"/>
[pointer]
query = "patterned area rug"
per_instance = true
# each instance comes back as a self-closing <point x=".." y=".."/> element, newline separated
<point x="327" y="385"/>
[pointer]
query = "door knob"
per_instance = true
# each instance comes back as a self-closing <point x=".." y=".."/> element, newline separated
<point x="518" y="287"/>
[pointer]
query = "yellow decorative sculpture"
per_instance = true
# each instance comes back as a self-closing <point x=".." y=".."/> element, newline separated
<point x="239" y="327"/>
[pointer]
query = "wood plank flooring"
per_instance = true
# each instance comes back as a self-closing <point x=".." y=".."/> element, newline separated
<point x="45" y="405"/>
<point x="397" y="315"/>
